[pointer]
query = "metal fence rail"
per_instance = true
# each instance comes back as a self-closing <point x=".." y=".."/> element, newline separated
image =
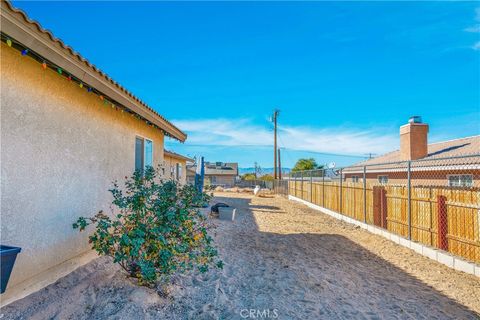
<point x="254" y="183"/>
<point x="434" y="202"/>
<point x="280" y="187"/>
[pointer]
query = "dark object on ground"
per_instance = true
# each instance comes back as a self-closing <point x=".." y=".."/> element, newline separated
<point x="215" y="207"/>
<point x="7" y="260"/>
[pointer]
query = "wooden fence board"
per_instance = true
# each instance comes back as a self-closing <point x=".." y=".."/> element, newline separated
<point x="463" y="211"/>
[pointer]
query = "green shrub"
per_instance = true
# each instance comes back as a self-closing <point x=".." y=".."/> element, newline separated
<point x="157" y="229"/>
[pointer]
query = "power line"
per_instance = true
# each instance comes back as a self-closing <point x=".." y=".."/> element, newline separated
<point x="335" y="154"/>
<point x="270" y="146"/>
<point x="285" y="149"/>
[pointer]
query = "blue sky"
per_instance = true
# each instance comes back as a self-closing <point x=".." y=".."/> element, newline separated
<point x="345" y="75"/>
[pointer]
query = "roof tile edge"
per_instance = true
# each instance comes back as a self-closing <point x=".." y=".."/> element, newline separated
<point x="11" y="15"/>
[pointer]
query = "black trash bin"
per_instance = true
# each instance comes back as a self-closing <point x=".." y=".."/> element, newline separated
<point x="8" y="255"/>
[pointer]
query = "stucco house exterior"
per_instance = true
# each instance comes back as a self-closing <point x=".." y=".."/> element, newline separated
<point x="67" y="131"/>
<point x="445" y="163"/>
<point x="221" y="174"/>
<point x="176" y="166"/>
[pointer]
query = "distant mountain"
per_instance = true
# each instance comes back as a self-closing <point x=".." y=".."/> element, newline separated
<point x="264" y="170"/>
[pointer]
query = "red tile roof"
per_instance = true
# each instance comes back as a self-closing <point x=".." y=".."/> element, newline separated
<point x="446" y="155"/>
<point x="444" y="149"/>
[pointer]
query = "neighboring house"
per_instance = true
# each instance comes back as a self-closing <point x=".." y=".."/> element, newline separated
<point x="67" y="132"/>
<point x="441" y="164"/>
<point x="190" y="171"/>
<point x="175" y="166"/>
<point x="222" y="174"/>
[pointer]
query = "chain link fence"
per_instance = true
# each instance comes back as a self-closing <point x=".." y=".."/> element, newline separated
<point x="433" y="202"/>
<point x="253" y="183"/>
<point x="280" y="187"/>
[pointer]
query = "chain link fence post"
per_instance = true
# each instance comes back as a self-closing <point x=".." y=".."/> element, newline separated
<point x="341" y="190"/>
<point x="323" y="187"/>
<point x="365" y="194"/>
<point x="302" y="195"/>
<point x="295" y="183"/>
<point x="409" y="201"/>
<point x="311" y="186"/>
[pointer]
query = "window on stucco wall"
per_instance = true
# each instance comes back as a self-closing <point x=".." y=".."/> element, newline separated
<point x="179" y="171"/>
<point x="143" y="153"/>
<point x="148" y="153"/>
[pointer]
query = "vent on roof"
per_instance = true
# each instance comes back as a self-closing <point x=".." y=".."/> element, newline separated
<point x="415" y="119"/>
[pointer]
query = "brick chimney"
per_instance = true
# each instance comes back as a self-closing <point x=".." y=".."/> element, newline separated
<point x="413" y="139"/>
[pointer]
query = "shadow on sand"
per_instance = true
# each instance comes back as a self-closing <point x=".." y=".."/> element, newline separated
<point x="336" y="277"/>
<point x="292" y="276"/>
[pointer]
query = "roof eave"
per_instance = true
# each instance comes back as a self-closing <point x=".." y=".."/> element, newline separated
<point x="15" y="24"/>
<point x="177" y="156"/>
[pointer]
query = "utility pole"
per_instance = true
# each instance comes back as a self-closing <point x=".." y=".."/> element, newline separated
<point x="279" y="166"/>
<point x="274" y="120"/>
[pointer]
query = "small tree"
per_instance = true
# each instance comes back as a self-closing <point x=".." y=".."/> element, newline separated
<point x="306" y="164"/>
<point x="157" y="231"/>
<point x="248" y="176"/>
<point x="267" y="177"/>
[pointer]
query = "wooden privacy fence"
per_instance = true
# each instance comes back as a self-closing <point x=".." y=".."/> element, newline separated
<point x="447" y="218"/>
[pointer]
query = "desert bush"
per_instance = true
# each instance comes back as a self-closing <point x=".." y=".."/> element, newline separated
<point x="156" y="230"/>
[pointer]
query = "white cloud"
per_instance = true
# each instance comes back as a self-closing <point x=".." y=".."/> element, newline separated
<point x="243" y="132"/>
<point x="224" y="132"/>
<point x="474" y="29"/>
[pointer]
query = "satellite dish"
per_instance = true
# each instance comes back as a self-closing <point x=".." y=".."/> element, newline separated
<point x="331" y="165"/>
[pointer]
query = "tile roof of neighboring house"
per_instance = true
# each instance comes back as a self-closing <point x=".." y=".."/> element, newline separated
<point x="55" y="43"/>
<point x="225" y="169"/>
<point x="191" y="169"/>
<point x="175" y="155"/>
<point x="211" y="168"/>
<point x="437" y="152"/>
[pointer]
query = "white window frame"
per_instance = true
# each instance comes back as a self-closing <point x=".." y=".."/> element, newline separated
<point x="178" y="169"/>
<point x="460" y="183"/>
<point x="145" y="153"/>
<point x="379" y="178"/>
<point x="355" y="179"/>
<point x="145" y="150"/>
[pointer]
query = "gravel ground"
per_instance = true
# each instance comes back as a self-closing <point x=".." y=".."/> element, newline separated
<point x="282" y="260"/>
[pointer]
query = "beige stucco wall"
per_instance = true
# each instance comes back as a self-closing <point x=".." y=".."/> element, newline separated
<point x="226" y="181"/>
<point x="171" y="163"/>
<point x="61" y="147"/>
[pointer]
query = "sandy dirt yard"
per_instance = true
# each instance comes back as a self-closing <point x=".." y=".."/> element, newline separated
<point x="282" y="261"/>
